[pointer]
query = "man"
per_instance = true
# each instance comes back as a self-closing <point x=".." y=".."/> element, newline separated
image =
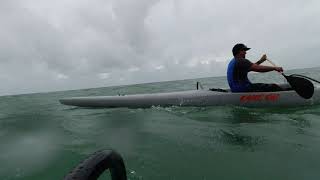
<point x="239" y="67"/>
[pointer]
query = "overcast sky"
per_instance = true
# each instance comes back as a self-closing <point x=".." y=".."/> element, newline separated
<point x="48" y="45"/>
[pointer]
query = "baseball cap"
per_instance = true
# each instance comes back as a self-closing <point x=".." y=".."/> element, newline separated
<point x="239" y="47"/>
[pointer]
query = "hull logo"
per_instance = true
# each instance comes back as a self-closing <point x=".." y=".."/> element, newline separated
<point x="260" y="97"/>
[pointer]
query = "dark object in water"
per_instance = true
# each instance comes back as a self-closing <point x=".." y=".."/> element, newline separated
<point x="96" y="164"/>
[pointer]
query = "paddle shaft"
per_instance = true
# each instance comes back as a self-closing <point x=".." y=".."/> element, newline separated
<point x="273" y="64"/>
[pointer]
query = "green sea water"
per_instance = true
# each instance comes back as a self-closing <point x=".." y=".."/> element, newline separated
<point x="42" y="139"/>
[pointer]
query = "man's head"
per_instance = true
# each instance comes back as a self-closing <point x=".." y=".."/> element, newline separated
<point x="240" y="50"/>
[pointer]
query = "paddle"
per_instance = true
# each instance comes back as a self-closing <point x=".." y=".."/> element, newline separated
<point x="302" y="86"/>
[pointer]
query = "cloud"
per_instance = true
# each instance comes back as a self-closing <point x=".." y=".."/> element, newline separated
<point x="134" y="69"/>
<point x="62" y="76"/>
<point x="104" y="75"/>
<point x="159" y="67"/>
<point x="72" y="44"/>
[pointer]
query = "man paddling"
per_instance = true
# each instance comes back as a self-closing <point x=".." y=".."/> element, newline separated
<point x="239" y="67"/>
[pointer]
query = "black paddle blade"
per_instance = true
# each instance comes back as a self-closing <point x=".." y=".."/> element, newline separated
<point x="302" y="86"/>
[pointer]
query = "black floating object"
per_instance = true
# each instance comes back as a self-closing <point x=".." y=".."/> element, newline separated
<point x="96" y="164"/>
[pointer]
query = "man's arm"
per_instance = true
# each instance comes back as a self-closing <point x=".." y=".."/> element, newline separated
<point x="260" y="68"/>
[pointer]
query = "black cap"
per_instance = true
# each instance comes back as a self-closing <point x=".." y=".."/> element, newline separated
<point x="239" y="47"/>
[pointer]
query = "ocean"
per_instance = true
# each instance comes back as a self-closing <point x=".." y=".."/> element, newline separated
<point x="43" y="139"/>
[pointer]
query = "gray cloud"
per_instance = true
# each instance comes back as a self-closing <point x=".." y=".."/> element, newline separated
<point x="70" y="44"/>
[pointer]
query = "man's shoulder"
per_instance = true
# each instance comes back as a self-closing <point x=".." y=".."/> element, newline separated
<point x="244" y="60"/>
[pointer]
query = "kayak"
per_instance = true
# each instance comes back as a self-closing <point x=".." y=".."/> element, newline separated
<point x="196" y="98"/>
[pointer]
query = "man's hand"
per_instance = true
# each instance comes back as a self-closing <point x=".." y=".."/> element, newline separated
<point x="263" y="58"/>
<point x="279" y="69"/>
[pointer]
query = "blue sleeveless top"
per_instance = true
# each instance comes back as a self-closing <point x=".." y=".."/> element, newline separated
<point x="237" y="75"/>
